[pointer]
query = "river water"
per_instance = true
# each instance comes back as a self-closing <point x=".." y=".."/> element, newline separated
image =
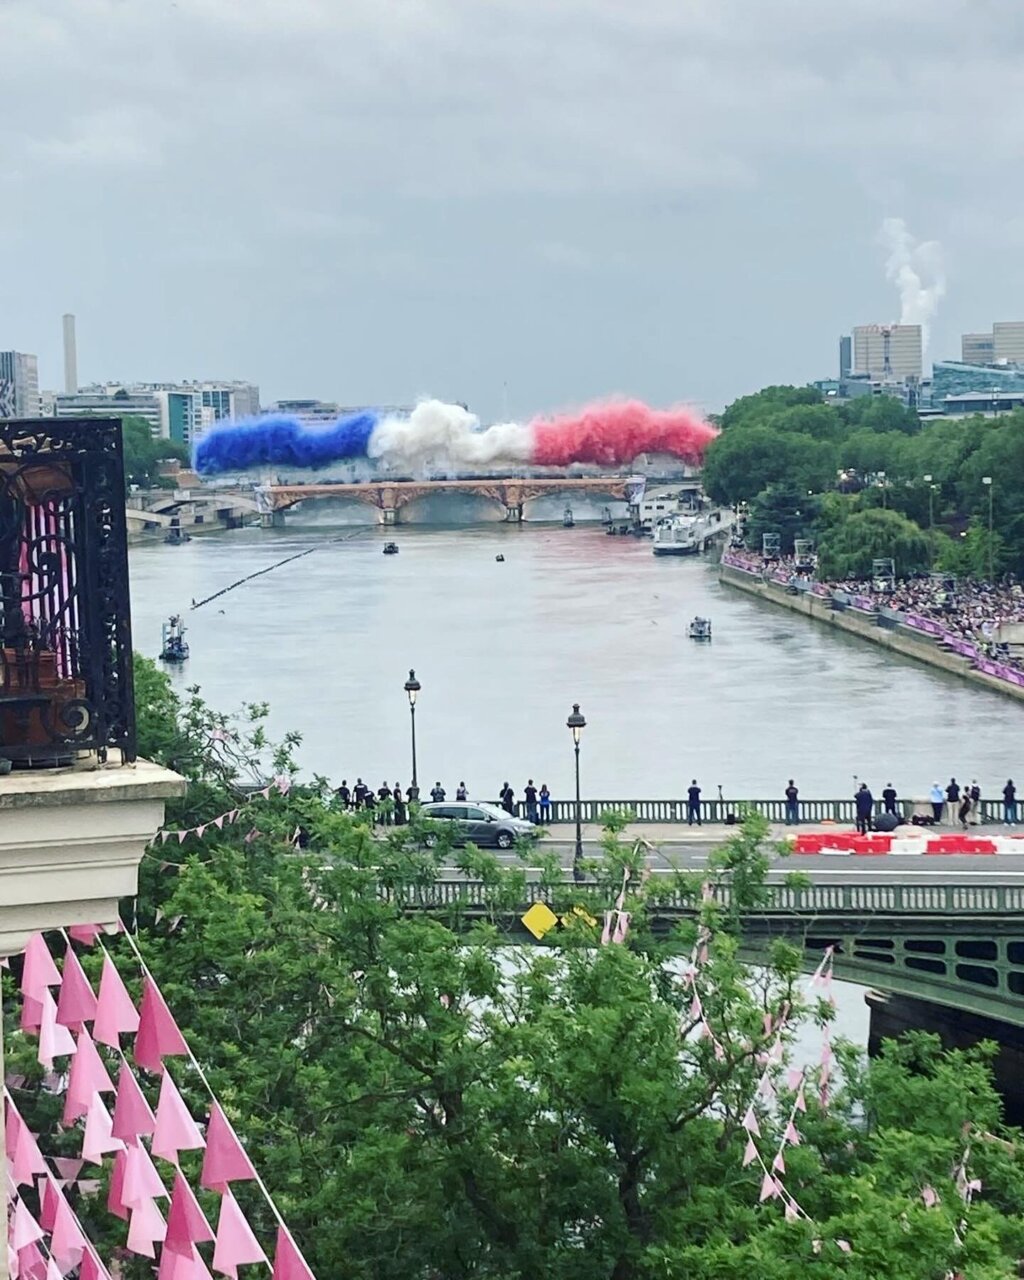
<point x="503" y="650"/>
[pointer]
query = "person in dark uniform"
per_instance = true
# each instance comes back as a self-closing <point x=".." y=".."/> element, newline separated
<point x="344" y="794"/>
<point x="437" y="793"/>
<point x="1010" y="803"/>
<point x="792" y="803"/>
<point x="383" y="795"/>
<point x="508" y="799"/>
<point x="953" y="798"/>
<point x="359" y="793"/>
<point x="865" y="803"/>
<point x="693" y="804"/>
<point x="975" y="794"/>
<point x="399" y="800"/>
<point x="530" y="795"/>
<point x="889" y="798"/>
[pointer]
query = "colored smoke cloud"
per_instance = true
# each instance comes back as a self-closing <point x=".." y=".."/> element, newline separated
<point x="604" y="435"/>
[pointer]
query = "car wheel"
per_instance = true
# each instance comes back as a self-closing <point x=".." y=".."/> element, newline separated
<point x="505" y="840"/>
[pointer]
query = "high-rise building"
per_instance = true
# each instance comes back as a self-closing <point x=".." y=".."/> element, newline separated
<point x="70" y="356"/>
<point x="1008" y="341"/>
<point x="19" y="385"/>
<point x="887" y="352"/>
<point x="175" y="411"/>
<point x="111" y="400"/>
<point x="845" y="356"/>
<point x="976" y="348"/>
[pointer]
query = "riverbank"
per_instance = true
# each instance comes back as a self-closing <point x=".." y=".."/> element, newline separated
<point x="880" y="629"/>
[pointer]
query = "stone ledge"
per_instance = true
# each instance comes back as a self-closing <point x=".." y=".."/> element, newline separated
<point x="47" y="788"/>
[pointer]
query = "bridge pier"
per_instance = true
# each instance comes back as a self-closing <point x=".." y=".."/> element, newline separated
<point x="894" y="1015"/>
<point x="272" y="520"/>
<point x="389" y="515"/>
<point x="514" y="513"/>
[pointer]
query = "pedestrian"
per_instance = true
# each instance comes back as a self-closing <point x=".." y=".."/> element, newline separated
<point x="938" y="799"/>
<point x="889" y="798"/>
<point x="399" y="801"/>
<point x="865" y="803"/>
<point x="384" y="797"/>
<point x="792" y="803"/>
<point x="359" y="793"/>
<point x="693" y="804"/>
<point x="1010" y="803"/>
<point x="975" y="794"/>
<point x="370" y="803"/>
<point x="545" y="803"/>
<point x="530" y="796"/>
<point x="437" y="793"/>
<point x="460" y="792"/>
<point x="965" y="809"/>
<point x="508" y="799"/>
<point x="953" y="799"/>
<point x="344" y="794"/>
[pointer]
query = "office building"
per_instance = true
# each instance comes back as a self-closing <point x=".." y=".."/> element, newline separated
<point x="111" y="400"/>
<point x="957" y="378"/>
<point x="887" y="352"/>
<point x="976" y="348"/>
<point x="1008" y="341"/>
<point x="845" y="357"/>
<point x="174" y="411"/>
<point x="19" y="385"/>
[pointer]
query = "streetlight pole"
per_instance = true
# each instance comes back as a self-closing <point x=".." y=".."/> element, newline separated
<point x="576" y="724"/>
<point x="881" y="476"/>
<point x="412" y="688"/>
<point x="931" y="508"/>
<point x="987" y="481"/>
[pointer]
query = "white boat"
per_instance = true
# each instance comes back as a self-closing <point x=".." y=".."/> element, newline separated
<point x="700" y="629"/>
<point x="682" y="535"/>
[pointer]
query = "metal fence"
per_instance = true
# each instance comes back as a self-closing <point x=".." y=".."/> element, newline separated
<point x="65" y="622"/>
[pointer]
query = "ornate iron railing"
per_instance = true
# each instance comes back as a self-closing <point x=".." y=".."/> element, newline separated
<point x="65" y="622"/>
<point x="813" y="812"/>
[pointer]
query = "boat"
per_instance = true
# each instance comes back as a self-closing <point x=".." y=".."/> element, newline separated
<point x="176" y="536"/>
<point x="699" y="629"/>
<point x="500" y="558"/>
<point x="681" y="535"/>
<point x="174" y="647"/>
<point x="567" y="518"/>
<point x="391" y="548"/>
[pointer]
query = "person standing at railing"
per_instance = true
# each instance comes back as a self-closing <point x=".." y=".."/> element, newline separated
<point x="1010" y="803"/>
<point x="545" y="804"/>
<point x="508" y="799"/>
<point x="975" y="794"/>
<point x="693" y="804"/>
<point x="530" y="795"/>
<point x="889" y="798"/>
<point x="953" y="799"/>
<point x="865" y="803"/>
<point x="938" y="799"/>
<point x="792" y="803"/>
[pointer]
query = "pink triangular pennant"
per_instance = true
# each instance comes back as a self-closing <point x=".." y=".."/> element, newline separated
<point x="749" y="1153"/>
<point x="115" y="1191"/>
<point x="175" y="1129"/>
<point x="175" y="1266"/>
<point x="183" y="836"/>
<point x="115" y="1013"/>
<point x="769" y="1188"/>
<point x="31" y="1014"/>
<point x="219" y="822"/>
<point x="67" y="1243"/>
<point x="236" y="1244"/>
<point x="38" y="973"/>
<point x="750" y="1123"/>
<point x="792" y="1135"/>
<point x="98" y="1139"/>
<point x="26" y="1160"/>
<point x="158" y="1034"/>
<point x="606" y="932"/>
<point x="289" y="1264"/>
<point x="88" y="1075"/>
<point x="186" y="1222"/>
<point x="55" y="1041"/>
<point x="49" y="1195"/>
<point x="225" y="1160"/>
<point x="145" y="1229"/>
<point x="800" y="1104"/>
<point x="132" y="1114"/>
<point x="141" y="1180"/>
<point x="792" y="1213"/>
<point x="92" y="1268"/>
<point x="76" y="1002"/>
<point x="68" y="1167"/>
<point x="30" y="1263"/>
<point x="86" y="934"/>
<point x="24" y="1228"/>
<point x="793" y="1077"/>
<point x="621" y="927"/>
<point x="53" y="1272"/>
<point x="845" y="1246"/>
<point x="778" y="1164"/>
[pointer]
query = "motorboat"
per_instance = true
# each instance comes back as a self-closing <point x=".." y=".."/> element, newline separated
<point x="682" y="535"/>
<point x="567" y="518"/>
<point x="391" y="548"/>
<point x="699" y="629"/>
<point x="500" y="558"/>
<point x="174" y="647"/>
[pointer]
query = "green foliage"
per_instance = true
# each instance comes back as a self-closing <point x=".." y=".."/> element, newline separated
<point x="848" y="548"/>
<point x="143" y="453"/>
<point x="786" y="510"/>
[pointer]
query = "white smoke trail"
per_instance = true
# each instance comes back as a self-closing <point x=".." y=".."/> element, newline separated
<point x="436" y="433"/>
<point x="916" y="268"/>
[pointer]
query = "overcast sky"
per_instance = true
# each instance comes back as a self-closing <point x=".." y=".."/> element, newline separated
<point x="509" y="202"/>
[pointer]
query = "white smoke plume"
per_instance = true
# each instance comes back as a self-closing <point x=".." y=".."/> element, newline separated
<point x="436" y="432"/>
<point x="917" y="269"/>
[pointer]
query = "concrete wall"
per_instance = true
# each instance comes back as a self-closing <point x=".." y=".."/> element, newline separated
<point x="858" y="624"/>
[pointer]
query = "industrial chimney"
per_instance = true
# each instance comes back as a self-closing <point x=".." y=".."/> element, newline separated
<point x="70" y="356"/>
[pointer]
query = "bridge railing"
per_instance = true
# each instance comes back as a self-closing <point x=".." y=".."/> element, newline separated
<point x="717" y="811"/>
<point x="813" y="900"/>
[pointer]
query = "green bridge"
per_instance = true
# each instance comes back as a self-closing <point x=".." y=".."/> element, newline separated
<point x="959" y="946"/>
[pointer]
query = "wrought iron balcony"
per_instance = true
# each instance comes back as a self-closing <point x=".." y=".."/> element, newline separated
<point x="65" y="622"/>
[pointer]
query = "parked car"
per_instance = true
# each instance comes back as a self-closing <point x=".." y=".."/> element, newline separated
<point x="482" y="824"/>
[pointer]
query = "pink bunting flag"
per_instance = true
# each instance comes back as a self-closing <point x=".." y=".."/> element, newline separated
<point x="792" y="1213"/>
<point x="86" y="934"/>
<point x="794" y="1077"/>
<point x="92" y="1268"/>
<point x="158" y="1036"/>
<point x="145" y="1229"/>
<point x="67" y="1243"/>
<point x="30" y="1263"/>
<point x="141" y="1180"/>
<point x="77" y="1001"/>
<point x="621" y="927"/>
<point x="115" y="1013"/>
<point x="132" y="1114"/>
<point x="24" y="1155"/>
<point x="55" y="1041"/>
<point x="67" y="1167"/>
<point x="98" y="1139"/>
<point x="48" y="1197"/>
<point x="750" y="1123"/>
<point x="219" y="822"/>
<point x="186" y="1222"/>
<point x="88" y="1076"/>
<point x="53" y="1272"/>
<point x="289" y="1264"/>
<point x="183" y="836"/>
<point x="792" y="1135"/>
<point x="606" y="932"/>
<point x="115" y="1191"/>
<point x="236" y="1244"/>
<point x="800" y="1104"/>
<point x="38" y="973"/>
<point x="175" y="1129"/>
<point x="225" y="1160"/>
<point x="845" y="1246"/>
<point x="175" y="1266"/>
<point x="24" y="1229"/>
<point x="778" y="1164"/>
<point x="930" y="1197"/>
<point x="749" y="1153"/>
<point x="31" y="1015"/>
<point x="769" y="1189"/>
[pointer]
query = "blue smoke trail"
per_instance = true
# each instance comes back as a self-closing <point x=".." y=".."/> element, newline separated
<point x="278" y="439"/>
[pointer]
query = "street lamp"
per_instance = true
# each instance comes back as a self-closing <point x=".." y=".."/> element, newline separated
<point x="987" y="481"/>
<point x="931" y="508"/>
<point x="576" y="724"/>
<point x="881" y="476"/>
<point x="412" y="688"/>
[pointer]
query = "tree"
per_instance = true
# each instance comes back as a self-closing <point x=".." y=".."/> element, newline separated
<point x="741" y="462"/>
<point x="786" y="510"/>
<point x="847" y="549"/>
<point x="143" y="453"/>
<point x="758" y="408"/>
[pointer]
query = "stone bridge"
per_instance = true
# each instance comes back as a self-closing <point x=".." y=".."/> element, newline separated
<point x="389" y="497"/>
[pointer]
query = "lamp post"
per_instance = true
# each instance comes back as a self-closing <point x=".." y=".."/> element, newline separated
<point x="412" y="688"/>
<point x="987" y="482"/>
<point x="881" y="476"/>
<point x="931" y="508"/>
<point x="576" y="724"/>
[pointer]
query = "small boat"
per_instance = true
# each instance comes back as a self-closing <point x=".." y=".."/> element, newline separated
<point x="391" y="548"/>
<point x="567" y="518"/>
<point x="175" y="647"/>
<point x="699" y="629"/>
<point x="176" y="536"/>
<point x="500" y="558"/>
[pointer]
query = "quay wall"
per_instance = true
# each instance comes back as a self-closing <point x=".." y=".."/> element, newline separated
<point x="865" y="625"/>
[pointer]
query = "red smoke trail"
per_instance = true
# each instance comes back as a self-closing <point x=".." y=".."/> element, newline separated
<point x="609" y="435"/>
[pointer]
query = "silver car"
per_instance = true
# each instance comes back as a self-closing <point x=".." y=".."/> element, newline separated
<point x="481" y="824"/>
